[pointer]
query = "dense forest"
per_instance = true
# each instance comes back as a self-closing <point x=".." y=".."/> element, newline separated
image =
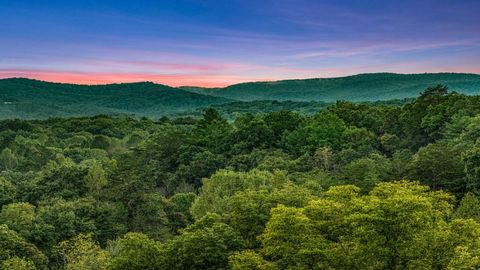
<point x="32" y="99"/>
<point x="361" y="87"/>
<point x="352" y="186"/>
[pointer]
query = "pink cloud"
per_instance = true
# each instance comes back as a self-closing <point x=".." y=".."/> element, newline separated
<point x="159" y="65"/>
<point x="113" y="77"/>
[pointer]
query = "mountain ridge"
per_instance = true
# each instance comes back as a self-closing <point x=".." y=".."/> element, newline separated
<point x="27" y="98"/>
<point x="369" y="86"/>
<point x="36" y="99"/>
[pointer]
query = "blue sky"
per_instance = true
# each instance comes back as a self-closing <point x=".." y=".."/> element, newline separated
<point x="217" y="43"/>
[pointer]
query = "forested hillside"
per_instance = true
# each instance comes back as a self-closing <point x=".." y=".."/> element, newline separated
<point x="353" y="186"/>
<point x="31" y="99"/>
<point x="362" y="87"/>
<point x="232" y="110"/>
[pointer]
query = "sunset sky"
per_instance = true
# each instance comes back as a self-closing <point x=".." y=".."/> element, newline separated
<point x="218" y="43"/>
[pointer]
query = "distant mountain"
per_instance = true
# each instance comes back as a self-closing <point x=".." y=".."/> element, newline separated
<point x="363" y="87"/>
<point x="33" y="99"/>
<point x="25" y="98"/>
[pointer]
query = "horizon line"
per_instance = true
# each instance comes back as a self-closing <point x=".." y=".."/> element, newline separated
<point x="224" y="86"/>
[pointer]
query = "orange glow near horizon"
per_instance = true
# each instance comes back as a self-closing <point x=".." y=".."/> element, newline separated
<point x="208" y="80"/>
<point x="88" y="78"/>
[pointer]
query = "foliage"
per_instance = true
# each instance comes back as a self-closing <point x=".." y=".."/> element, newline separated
<point x="362" y="87"/>
<point x="135" y="251"/>
<point x="13" y="245"/>
<point x="82" y="253"/>
<point x="272" y="190"/>
<point x="24" y="98"/>
<point x="224" y="184"/>
<point x="16" y="263"/>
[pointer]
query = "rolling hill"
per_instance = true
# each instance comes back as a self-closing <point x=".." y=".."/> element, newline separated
<point x="33" y="99"/>
<point x="362" y="87"/>
<point x="26" y="98"/>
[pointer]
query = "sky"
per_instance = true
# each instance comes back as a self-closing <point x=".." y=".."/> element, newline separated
<point x="217" y="43"/>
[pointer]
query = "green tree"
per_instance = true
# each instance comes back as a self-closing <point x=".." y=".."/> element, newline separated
<point x="58" y="220"/>
<point x="96" y="179"/>
<point x="323" y="130"/>
<point x="149" y="217"/>
<point x="201" y="165"/>
<point x="366" y="172"/>
<point x="289" y="239"/>
<point x="249" y="210"/>
<point x="13" y="245"/>
<point x="400" y="225"/>
<point x="323" y="158"/>
<point x="7" y="191"/>
<point x="464" y="245"/>
<point x="212" y="132"/>
<point x="61" y="179"/>
<point x="101" y="142"/>
<point x="202" y="247"/>
<point x="250" y="260"/>
<point x="361" y="140"/>
<point x="281" y="122"/>
<point x="471" y="161"/>
<point x="106" y="220"/>
<point x="469" y="207"/>
<point x="82" y="253"/>
<point x="439" y="165"/>
<point x="8" y="160"/>
<point x="390" y="143"/>
<point x="463" y="259"/>
<point x="251" y="133"/>
<point x="16" y="263"/>
<point x="177" y="209"/>
<point x="411" y="130"/>
<point x="135" y="251"/>
<point x="20" y="217"/>
<point x="222" y="185"/>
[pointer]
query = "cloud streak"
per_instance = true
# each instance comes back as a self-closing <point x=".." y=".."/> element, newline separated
<point x="91" y="78"/>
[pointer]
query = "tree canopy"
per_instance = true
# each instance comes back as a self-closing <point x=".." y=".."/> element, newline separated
<point x="352" y="186"/>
